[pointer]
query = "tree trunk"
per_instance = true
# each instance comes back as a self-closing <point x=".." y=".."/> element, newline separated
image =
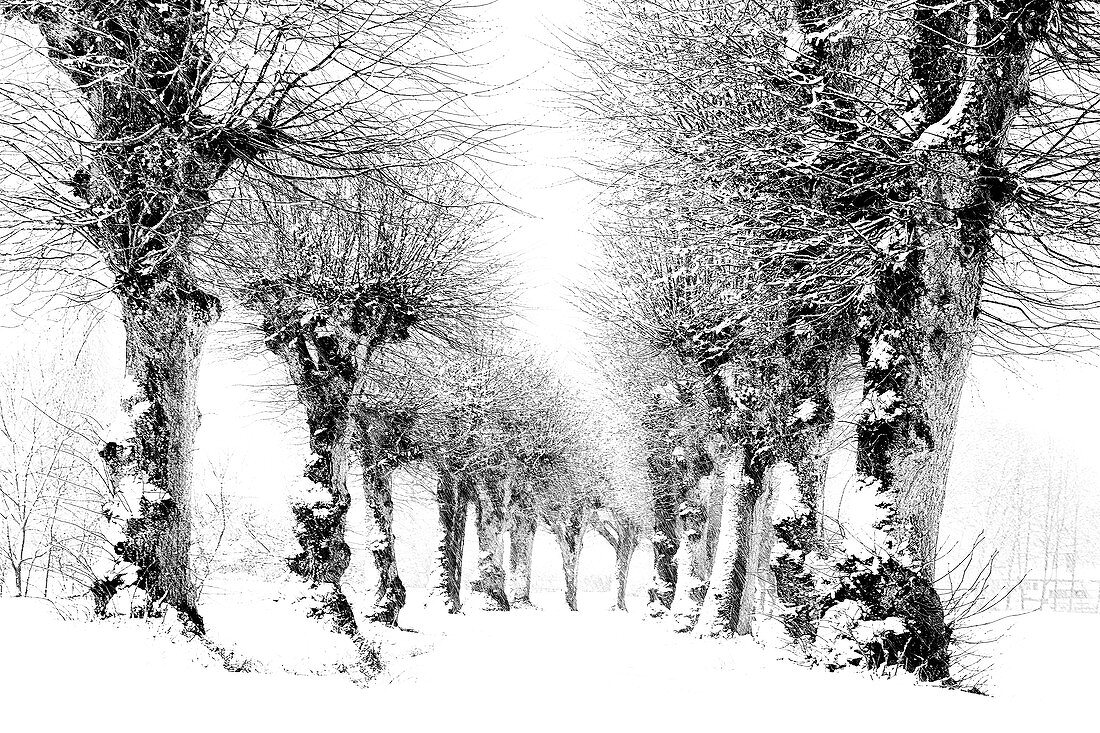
<point x="665" y="541"/>
<point x="757" y="594"/>
<point x="916" y="334"/>
<point x="488" y="591"/>
<point x="796" y="526"/>
<point x="144" y="174"/>
<point x="691" y="562"/>
<point x="522" y="539"/>
<point x="150" y="469"/>
<point x="721" y="609"/>
<point x="715" y="495"/>
<point x="624" y="553"/>
<point x="389" y="592"/>
<point x="914" y="355"/>
<point x="569" y="532"/>
<point x="914" y="352"/>
<point x="453" y="497"/>
<point x="321" y="516"/>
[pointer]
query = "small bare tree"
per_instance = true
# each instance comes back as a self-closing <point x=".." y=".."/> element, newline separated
<point x="51" y="486"/>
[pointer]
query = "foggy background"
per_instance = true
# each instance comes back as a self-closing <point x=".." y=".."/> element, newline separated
<point x="1025" y="465"/>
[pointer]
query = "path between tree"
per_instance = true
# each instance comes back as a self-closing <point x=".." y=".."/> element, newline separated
<point x="541" y="670"/>
<point x="551" y="669"/>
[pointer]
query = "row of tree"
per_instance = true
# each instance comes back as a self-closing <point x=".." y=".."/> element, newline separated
<point x="299" y="164"/>
<point x="804" y="199"/>
<point x="306" y="167"/>
<point x="812" y="198"/>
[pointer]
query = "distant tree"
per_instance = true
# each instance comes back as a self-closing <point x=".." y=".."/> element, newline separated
<point x="471" y="394"/>
<point x="561" y="470"/>
<point x="51" y="487"/>
<point x="332" y="278"/>
<point x="652" y="301"/>
<point x="624" y="498"/>
<point x="542" y="432"/>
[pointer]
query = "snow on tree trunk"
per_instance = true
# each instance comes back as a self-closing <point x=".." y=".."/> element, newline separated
<point x="522" y="540"/>
<point x="914" y="355"/>
<point x="714" y="496"/>
<point x="137" y="190"/>
<point x="916" y="333"/>
<point x="691" y="562"/>
<point x="453" y="496"/>
<point x="320" y="515"/>
<point x="797" y="558"/>
<point x="756" y="596"/>
<point x="721" y="610"/>
<point x="624" y="553"/>
<point x="389" y="592"/>
<point x="149" y="459"/>
<point x="665" y="542"/>
<point x="323" y="360"/>
<point x="487" y="591"/>
<point x="569" y="533"/>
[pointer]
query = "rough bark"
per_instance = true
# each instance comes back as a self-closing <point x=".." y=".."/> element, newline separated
<point x="487" y="591"/>
<point x="676" y="460"/>
<point x="756" y="595"/>
<point x="915" y="343"/>
<point x="798" y="548"/>
<point x="799" y="555"/>
<point x="691" y="562"/>
<point x="665" y="542"/>
<point x="389" y="591"/>
<point x="522" y="540"/>
<point x="148" y="166"/>
<point x="452" y="492"/>
<point x="961" y="187"/>
<point x="385" y="442"/>
<point x="715" y="495"/>
<point x="622" y="534"/>
<point x="569" y="532"/>
<point x="151" y="468"/>
<point x="321" y="518"/>
<point x="324" y="351"/>
<point x="721" y="608"/>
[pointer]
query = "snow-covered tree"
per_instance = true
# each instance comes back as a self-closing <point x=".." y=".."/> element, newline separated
<point x="386" y="441"/>
<point x="667" y="418"/>
<point x="623" y="515"/>
<point x="471" y="394"/>
<point x="332" y="277"/>
<point x="560" y="471"/>
<point x="856" y="180"/>
<point x="501" y="431"/>
<point x="119" y="122"/>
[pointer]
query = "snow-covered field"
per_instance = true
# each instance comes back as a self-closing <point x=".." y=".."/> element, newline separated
<point x="544" y="669"/>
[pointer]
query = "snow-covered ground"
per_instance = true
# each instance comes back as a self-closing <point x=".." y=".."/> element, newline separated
<point x="544" y="669"/>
